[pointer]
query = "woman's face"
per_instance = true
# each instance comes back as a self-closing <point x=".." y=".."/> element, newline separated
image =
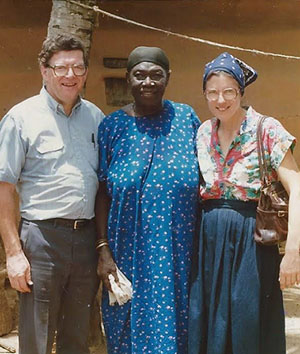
<point x="148" y="82"/>
<point x="223" y="96"/>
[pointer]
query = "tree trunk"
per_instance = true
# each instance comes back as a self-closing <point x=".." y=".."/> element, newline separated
<point x="69" y="18"/>
<point x="6" y="323"/>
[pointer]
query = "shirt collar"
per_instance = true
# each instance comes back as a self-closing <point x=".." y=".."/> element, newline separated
<point x="53" y="104"/>
<point x="249" y="124"/>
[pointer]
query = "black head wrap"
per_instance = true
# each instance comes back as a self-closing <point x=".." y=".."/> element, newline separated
<point x="149" y="54"/>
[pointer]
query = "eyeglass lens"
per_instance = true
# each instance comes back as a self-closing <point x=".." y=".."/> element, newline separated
<point x="227" y="94"/>
<point x="62" y="70"/>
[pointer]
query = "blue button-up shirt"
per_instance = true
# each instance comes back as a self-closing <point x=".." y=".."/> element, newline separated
<point x="53" y="158"/>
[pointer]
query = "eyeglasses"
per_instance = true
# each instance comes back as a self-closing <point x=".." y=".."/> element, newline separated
<point x="62" y="70"/>
<point x="228" y="94"/>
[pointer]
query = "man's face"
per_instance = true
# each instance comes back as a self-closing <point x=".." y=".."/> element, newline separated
<point x="64" y="89"/>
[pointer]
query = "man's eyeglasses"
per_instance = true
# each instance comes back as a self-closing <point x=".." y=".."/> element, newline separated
<point x="228" y="94"/>
<point x="62" y="70"/>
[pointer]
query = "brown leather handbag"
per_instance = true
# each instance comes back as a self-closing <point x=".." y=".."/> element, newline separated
<point x="272" y="210"/>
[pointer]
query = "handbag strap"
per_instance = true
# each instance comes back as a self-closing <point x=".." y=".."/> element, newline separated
<point x="260" y="151"/>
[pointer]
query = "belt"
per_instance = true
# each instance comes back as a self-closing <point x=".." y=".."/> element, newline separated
<point x="229" y="204"/>
<point x="69" y="223"/>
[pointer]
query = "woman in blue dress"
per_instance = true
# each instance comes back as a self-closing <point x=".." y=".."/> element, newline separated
<point x="146" y="209"/>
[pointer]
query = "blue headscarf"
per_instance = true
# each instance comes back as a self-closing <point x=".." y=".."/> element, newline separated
<point x="235" y="67"/>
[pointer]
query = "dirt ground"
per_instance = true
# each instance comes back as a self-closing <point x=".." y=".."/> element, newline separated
<point x="9" y="344"/>
<point x="292" y="311"/>
<point x="292" y="319"/>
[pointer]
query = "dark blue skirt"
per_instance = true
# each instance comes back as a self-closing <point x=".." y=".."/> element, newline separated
<point x="236" y="303"/>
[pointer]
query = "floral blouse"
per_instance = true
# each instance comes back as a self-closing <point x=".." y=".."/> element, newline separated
<point x="236" y="176"/>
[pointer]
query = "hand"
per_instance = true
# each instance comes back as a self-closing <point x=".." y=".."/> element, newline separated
<point x="289" y="274"/>
<point x="106" y="266"/>
<point x="18" y="271"/>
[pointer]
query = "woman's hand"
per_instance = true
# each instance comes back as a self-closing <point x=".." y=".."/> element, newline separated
<point x="289" y="274"/>
<point x="106" y="266"/>
<point x="289" y="175"/>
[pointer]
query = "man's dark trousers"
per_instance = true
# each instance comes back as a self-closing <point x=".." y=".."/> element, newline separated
<point x="63" y="269"/>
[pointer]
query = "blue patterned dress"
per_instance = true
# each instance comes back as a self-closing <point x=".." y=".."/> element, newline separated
<point x="150" y="168"/>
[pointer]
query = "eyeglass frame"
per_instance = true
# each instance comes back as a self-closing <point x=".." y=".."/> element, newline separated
<point x="237" y="91"/>
<point x="68" y="67"/>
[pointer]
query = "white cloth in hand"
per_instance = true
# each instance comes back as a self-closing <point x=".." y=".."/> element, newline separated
<point x="121" y="292"/>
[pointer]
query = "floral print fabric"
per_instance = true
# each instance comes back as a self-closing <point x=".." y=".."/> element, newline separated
<point x="150" y="168"/>
<point x="236" y="176"/>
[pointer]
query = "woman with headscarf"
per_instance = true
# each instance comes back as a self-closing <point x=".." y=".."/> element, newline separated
<point x="235" y="300"/>
<point x="146" y="210"/>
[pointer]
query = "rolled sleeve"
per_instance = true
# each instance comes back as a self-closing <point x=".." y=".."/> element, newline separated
<point x="12" y="150"/>
<point x="279" y="142"/>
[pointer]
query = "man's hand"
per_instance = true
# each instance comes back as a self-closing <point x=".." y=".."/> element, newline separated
<point x="18" y="270"/>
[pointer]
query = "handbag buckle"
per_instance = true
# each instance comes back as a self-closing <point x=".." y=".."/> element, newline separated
<point x="281" y="213"/>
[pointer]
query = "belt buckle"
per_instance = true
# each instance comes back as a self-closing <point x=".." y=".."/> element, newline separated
<point x="76" y="225"/>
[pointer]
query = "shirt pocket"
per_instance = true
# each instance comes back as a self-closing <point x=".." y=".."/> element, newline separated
<point x="47" y="155"/>
<point x="49" y="146"/>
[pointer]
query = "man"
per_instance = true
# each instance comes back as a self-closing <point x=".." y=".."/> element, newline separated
<point x="48" y="148"/>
